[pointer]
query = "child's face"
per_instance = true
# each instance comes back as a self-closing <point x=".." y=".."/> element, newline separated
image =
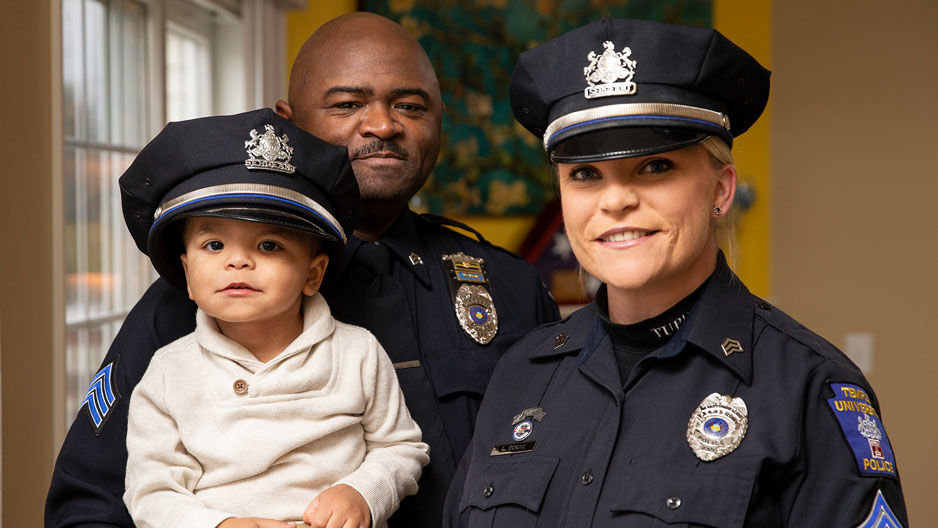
<point x="239" y="271"/>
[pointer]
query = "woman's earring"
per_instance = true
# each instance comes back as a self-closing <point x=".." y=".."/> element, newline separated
<point x="717" y="211"/>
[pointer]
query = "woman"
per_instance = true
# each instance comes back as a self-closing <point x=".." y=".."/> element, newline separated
<point x="677" y="397"/>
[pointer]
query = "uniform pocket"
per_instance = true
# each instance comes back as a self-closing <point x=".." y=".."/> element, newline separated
<point x="507" y="491"/>
<point x="677" y="497"/>
<point x="459" y="370"/>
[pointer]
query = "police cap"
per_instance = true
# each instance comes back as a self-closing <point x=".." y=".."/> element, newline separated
<point x="254" y="166"/>
<point x="618" y="88"/>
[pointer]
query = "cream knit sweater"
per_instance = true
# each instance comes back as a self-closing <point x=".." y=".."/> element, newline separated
<point x="327" y="410"/>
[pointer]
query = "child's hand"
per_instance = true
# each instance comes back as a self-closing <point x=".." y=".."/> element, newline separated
<point x="340" y="506"/>
<point x="253" y="522"/>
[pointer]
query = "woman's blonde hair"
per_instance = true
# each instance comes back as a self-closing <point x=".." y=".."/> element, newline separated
<point x="720" y="155"/>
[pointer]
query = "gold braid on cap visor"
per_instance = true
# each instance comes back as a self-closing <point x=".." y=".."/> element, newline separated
<point x="635" y="110"/>
<point x="252" y="190"/>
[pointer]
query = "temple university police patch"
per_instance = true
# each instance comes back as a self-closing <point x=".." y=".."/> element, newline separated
<point x="863" y="430"/>
<point x="101" y="396"/>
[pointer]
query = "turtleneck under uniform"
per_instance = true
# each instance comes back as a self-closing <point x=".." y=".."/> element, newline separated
<point x="632" y="342"/>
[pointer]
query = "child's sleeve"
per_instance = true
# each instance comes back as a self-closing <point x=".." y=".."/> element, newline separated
<point x="161" y="474"/>
<point x="395" y="453"/>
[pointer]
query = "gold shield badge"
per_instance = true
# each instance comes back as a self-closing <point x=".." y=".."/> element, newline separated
<point x="472" y="299"/>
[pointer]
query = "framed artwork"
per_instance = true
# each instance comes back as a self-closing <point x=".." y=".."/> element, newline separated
<point x="489" y="164"/>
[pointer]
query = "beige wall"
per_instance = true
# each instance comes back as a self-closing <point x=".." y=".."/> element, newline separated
<point x="31" y="316"/>
<point x="855" y="193"/>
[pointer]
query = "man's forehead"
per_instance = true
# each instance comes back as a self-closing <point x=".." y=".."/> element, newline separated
<point x="371" y="90"/>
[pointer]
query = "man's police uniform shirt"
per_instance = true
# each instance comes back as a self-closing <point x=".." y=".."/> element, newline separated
<point x="605" y="455"/>
<point x="89" y="475"/>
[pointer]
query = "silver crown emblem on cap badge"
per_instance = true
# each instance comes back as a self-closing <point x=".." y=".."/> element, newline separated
<point x="269" y="152"/>
<point x="604" y="70"/>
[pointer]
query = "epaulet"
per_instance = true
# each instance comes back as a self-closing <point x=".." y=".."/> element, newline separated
<point x="793" y="329"/>
<point x="442" y="220"/>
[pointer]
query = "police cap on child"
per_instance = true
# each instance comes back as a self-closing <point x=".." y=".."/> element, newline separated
<point x="619" y="88"/>
<point x="254" y="166"/>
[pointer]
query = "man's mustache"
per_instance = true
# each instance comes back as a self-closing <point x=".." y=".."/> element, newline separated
<point x="380" y="146"/>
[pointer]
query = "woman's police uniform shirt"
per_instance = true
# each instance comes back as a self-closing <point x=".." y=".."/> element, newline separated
<point x="745" y="418"/>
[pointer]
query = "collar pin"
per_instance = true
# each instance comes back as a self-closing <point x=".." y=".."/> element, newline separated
<point x="731" y="346"/>
<point x="560" y="340"/>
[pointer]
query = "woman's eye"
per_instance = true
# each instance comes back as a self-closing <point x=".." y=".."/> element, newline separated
<point x="658" y="166"/>
<point x="584" y="174"/>
<point x="214" y="245"/>
<point x="268" y="245"/>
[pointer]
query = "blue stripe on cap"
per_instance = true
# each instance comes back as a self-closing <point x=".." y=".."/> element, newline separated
<point x="165" y="213"/>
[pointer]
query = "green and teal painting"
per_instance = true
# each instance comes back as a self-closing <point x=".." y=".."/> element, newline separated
<point x="489" y="164"/>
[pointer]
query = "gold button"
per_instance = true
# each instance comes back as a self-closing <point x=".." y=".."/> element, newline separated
<point x="240" y="387"/>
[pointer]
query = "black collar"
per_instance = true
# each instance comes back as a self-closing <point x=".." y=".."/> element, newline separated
<point x="405" y="243"/>
<point x="724" y="315"/>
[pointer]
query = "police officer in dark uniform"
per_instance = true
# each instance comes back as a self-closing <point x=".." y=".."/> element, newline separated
<point x="677" y="398"/>
<point x="443" y="305"/>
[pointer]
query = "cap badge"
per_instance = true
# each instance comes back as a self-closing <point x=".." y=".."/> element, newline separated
<point x="717" y="426"/>
<point x="269" y="152"/>
<point x="604" y="70"/>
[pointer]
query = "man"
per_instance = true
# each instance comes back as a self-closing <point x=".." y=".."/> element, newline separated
<point x="444" y="306"/>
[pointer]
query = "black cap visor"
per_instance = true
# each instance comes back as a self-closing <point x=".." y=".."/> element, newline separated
<point x="623" y="142"/>
<point x="265" y="215"/>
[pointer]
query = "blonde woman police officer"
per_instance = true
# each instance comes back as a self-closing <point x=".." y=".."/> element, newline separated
<point x="677" y="398"/>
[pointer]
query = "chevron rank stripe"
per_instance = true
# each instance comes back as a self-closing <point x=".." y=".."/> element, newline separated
<point x="881" y="516"/>
<point x="731" y="346"/>
<point x="101" y="396"/>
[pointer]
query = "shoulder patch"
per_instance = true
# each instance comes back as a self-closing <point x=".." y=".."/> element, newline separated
<point x="101" y="396"/>
<point x="863" y="430"/>
<point x="881" y="515"/>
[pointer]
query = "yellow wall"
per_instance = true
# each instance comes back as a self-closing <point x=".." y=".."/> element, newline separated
<point x="302" y="23"/>
<point x="748" y="23"/>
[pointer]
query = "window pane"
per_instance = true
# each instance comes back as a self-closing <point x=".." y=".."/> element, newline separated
<point x="96" y="79"/>
<point x="76" y="379"/>
<point x="188" y="79"/>
<point x="75" y="293"/>
<point x="128" y="78"/>
<point x="72" y="80"/>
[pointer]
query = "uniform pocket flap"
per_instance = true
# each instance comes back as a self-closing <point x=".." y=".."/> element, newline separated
<point x="459" y="370"/>
<point x="705" y="497"/>
<point x="493" y="482"/>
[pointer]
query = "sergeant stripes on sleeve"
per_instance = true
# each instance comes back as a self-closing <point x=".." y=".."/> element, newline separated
<point x="101" y="397"/>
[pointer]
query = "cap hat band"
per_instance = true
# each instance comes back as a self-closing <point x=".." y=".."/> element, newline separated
<point x="251" y="189"/>
<point x="634" y="110"/>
